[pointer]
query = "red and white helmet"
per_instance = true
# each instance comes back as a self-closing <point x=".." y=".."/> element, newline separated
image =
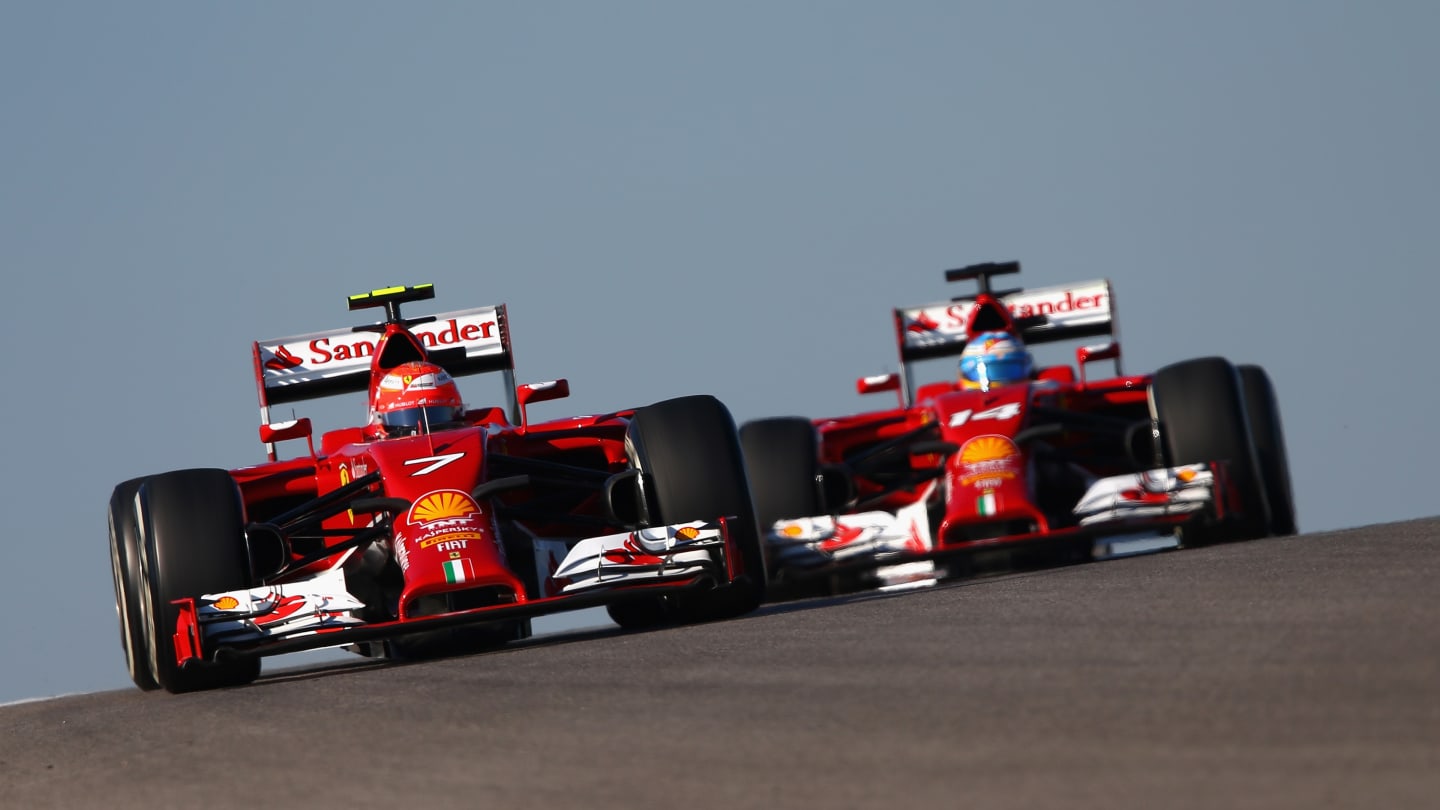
<point x="415" y="398"/>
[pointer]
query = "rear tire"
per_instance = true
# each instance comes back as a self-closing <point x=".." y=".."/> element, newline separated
<point x="192" y="542"/>
<point x="689" y="455"/>
<point x="1200" y="406"/>
<point x="125" y="566"/>
<point x="1263" y="410"/>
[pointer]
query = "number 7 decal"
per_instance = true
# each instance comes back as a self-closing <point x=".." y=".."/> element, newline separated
<point x="439" y="461"/>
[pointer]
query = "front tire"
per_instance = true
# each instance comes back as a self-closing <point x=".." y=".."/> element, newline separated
<point x="1200" y="407"/>
<point x="1263" y="410"/>
<point x="689" y="456"/>
<point x="125" y="567"/>
<point x="192" y="542"/>
<point x="782" y="457"/>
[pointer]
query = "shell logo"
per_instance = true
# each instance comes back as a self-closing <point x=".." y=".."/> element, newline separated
<point x="985" y="460"/>
<point x="687" y="533"/>
<point x="443" y="505"/>
<point x="227" y="603"/>
<point x="345" y="480"/>
<point x="988" y="448"/>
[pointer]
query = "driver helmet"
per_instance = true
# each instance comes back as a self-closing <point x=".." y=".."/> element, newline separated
<point x="415" y="398"/>
<point x="993" y="359"/>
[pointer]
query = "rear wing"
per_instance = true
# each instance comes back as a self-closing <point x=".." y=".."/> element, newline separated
<point x="337" y="361"/>
<point x="1042" y="315"/>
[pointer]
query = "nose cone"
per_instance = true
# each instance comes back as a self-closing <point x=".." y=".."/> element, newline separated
<point x="447" y="543"/>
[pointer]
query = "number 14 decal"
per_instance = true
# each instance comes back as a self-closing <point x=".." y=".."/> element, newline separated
<point x="1009" y="410"/>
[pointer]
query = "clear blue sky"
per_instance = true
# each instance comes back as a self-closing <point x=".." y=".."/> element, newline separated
<point x="685" y="197"/>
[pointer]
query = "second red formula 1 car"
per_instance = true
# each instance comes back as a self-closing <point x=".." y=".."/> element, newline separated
<point x="434" y="528"/>
<point x="1007" y="457"/>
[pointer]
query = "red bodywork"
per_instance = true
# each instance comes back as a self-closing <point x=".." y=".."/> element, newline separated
<point x="1000" y="468"/>
<point x="433" y="505"/>
<point x="987" y="490"/>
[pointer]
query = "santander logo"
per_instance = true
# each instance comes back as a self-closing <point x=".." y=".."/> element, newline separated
<point x="922" y="323"/>
<point x="1070" y="302"/>
<point x="1055" y="305"/>
<point x="282" y="360"/>
<point x="339" y="347"/>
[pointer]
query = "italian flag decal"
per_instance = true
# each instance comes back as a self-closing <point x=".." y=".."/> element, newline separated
<point x="985" y="504"/>
<point x="457" y="571"/>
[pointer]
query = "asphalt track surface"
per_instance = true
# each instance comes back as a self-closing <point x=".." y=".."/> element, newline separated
<point x="1299" y="672"/>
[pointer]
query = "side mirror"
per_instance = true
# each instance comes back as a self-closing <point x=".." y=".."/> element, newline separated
<point x="285" y="431"/>
<point x="539" y="392"/>
<point x="878" y="384"/>
<point x="542" y="391"/>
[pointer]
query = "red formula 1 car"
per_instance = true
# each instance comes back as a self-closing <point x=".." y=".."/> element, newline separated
<point x="431" y="540"/>
<point x="1044" y="468"/>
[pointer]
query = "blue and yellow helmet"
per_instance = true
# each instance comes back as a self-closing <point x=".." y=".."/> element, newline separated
<point x="994" y="358"/>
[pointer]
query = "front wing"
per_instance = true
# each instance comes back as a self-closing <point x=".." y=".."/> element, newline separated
<point x="885" y="542"/>
<point x="1150" y="503"/>
<point x="1163" y="493"/>
<point x="319" y="611"/>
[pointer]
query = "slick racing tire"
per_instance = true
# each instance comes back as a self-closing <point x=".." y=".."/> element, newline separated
<point x="689" y="456"/>
<point x="782" y="456"/>
<point x="1263" y="410"/>
<point x="1200" y="407"/>
<point x="125" y="566"/>
<point x="192" y="542"/>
